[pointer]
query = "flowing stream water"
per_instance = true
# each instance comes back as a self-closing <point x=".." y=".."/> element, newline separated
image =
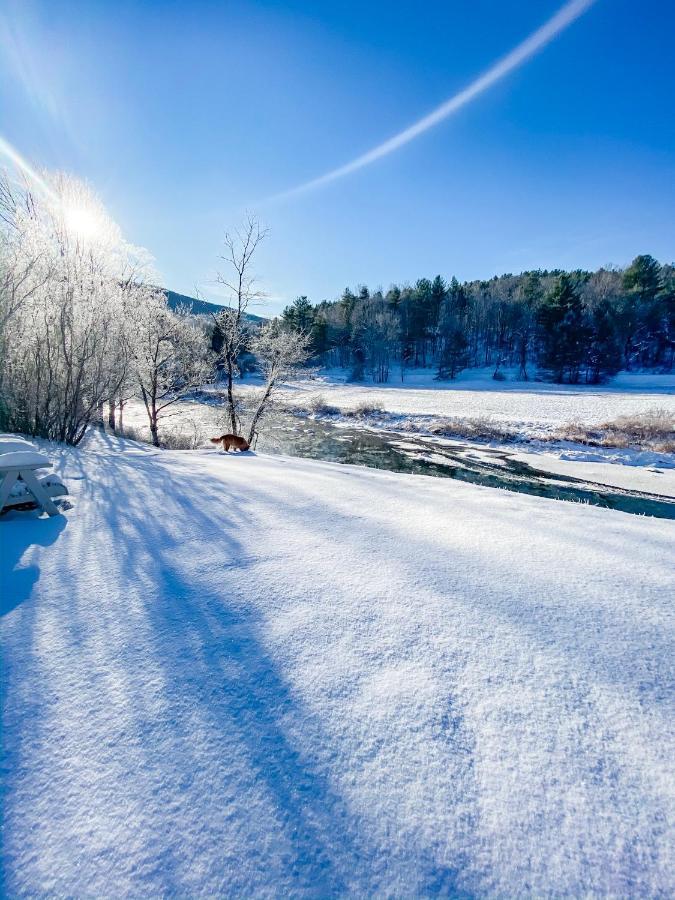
<point x="484" y="465"/>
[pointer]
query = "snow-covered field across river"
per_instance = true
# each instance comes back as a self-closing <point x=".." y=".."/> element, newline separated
<point x="532" y="404"/>
<point x="249" y="675"/>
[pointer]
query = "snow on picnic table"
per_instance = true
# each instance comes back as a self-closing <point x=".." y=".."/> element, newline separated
<point x="264" y="676"/>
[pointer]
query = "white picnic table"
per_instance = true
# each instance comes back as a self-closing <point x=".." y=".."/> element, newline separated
<point x="20" y="459"/>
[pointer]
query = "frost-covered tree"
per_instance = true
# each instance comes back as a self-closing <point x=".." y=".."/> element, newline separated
<point x="22" y="268"/>
<point x="281" y="353"/>
<point x="240" y="283"/>
<point x="78" y="327"/>
<point x="66" y="272"/>
<point x="170" y="355"/>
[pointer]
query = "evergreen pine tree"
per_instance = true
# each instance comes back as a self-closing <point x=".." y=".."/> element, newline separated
<point x="525" y="317"/>
<point x="454" y="354"/>
<point x="604" y="352"/>
<point x="562" y="331"/>
<point x="438" y="295"/>
<point x="642" y="283"/>
<point x="299" y="315"/>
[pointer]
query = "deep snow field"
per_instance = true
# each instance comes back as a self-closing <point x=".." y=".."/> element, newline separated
<point x="264" y="676"/>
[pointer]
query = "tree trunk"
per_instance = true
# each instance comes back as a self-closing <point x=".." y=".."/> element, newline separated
<point x="261" y="408"/>
<point x="154" y="432"/>
<point x="230" y="395"/>
<point x="120" y="417"/>
<point x="111" y="414"/>
<point x="522" y="356"/>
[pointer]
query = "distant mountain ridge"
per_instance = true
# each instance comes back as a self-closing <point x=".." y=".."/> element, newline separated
<point x="201" y="307"/>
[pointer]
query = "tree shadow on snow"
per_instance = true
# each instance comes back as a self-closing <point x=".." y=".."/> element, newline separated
<point x="19" y="531"/>
<point x="227" y="713"/>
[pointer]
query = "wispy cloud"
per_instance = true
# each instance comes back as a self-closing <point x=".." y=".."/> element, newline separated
<point x="565" y="16"/>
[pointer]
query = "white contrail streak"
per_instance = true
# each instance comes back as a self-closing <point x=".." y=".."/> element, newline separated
<point x="17" y="160"/>
<point x="519" y="55"/>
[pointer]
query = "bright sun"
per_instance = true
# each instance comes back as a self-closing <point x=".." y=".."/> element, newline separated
<point x="82" y="222"/>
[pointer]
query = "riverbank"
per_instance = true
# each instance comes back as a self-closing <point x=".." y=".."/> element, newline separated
<point x="537" y="440"/>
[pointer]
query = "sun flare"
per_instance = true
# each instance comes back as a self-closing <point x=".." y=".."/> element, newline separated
<point x="82" y="223"/>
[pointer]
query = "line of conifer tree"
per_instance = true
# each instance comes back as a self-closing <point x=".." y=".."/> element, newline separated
<point x="564" y="326"/>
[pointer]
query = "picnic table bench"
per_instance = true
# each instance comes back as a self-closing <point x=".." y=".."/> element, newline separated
<point x="19" y="461"/>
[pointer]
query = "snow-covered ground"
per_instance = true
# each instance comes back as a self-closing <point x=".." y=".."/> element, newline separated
<point x="265" y="676"/>
<point x="633" y="470"/>
<point x="474" y="393"/>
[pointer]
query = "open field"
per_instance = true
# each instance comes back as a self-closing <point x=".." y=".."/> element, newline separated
<point x="531" y="405"/>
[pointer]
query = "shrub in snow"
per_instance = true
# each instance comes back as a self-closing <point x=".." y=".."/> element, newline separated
<point x="320" y="407"/>
<point x="480" y="428"/>
<point x="368" y="408"/>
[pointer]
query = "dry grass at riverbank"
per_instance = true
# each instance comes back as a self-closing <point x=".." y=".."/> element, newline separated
<point x="653" y="430"/>
<point x="477" y="428"/>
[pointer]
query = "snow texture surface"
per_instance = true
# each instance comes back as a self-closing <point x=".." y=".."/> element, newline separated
<point x="261" y="676"/>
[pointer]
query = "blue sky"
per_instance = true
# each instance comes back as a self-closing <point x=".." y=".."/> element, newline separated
<point x="183" y="115"/>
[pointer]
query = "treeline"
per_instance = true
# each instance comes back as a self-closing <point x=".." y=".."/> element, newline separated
<point x="564" y="326"/>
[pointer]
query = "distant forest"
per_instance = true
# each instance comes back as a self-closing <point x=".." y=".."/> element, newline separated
<point x="563" y="326"/>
